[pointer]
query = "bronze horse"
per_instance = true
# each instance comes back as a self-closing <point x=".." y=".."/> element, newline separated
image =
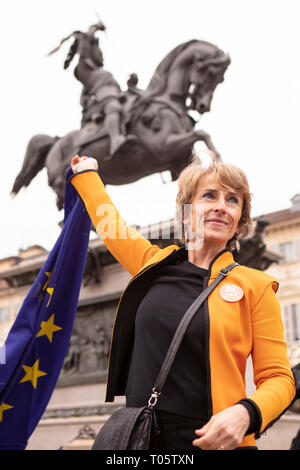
<point x="158" y="117"/>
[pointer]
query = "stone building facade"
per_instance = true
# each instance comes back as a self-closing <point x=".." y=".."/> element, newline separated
<point x="282" y="236"/>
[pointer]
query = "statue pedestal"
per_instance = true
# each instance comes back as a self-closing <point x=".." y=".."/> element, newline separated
<point x="69" y="411"/>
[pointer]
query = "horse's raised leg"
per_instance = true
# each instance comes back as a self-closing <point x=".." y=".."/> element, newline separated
<point x="205" y="137"/>
<point x="176" y="139"/>
<point x="181" y="143"/>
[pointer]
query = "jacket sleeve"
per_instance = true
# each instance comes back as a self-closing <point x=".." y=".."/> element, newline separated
<point x="275" y="385"/>
<point x="126" y="244"/>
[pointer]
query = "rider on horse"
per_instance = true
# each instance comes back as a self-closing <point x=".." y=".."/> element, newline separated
<point x="100" y="98"/>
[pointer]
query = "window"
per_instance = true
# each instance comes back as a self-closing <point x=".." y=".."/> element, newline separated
<point x="291" y="320"/>
<point x="290" y="251"/>
<point x="295" y="322"/>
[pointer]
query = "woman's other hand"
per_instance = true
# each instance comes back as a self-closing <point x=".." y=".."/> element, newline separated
<point x="83" y="163"/>
<point x="224" y="430"/>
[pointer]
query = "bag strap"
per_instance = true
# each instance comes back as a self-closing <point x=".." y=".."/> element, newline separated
<point x="180" y="332"/>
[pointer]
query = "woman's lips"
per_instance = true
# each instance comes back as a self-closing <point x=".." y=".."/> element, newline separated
<point x="217" y="222"/>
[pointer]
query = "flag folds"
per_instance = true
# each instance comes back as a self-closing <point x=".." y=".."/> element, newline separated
<point x="38" y="340"/>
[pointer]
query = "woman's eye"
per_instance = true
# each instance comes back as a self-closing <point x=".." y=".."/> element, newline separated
<point x="233" y="199"/>
<point x="211" y="195"/>
<point x="208" y="195"/>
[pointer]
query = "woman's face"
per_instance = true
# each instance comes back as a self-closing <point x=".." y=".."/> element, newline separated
<point x="216" y="211"/>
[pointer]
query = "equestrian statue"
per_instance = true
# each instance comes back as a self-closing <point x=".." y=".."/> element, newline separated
<point x="132" y="133"/>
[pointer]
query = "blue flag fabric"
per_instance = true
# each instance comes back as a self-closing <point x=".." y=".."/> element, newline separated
<point x="37" y="343"/>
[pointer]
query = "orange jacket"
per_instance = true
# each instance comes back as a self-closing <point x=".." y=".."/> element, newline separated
<point x="251" y="326"/>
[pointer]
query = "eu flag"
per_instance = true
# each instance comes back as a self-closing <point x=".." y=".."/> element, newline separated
<point x="38" y="340"/>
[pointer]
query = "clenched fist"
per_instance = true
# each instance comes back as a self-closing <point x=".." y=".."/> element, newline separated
<point x="83" y="163"/>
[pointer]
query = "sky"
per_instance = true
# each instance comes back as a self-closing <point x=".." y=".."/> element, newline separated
<point x="253" y="122"/>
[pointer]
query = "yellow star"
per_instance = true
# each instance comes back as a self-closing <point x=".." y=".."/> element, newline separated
<point x="48" y="328"/>
<point x="4" y="407"/>
<point x="50" y="292"/>
<point x="48" y="274"/>
<point x="32" y="373"/>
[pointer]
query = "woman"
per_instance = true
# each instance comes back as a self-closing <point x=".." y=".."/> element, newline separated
<point x="203" y="404"/>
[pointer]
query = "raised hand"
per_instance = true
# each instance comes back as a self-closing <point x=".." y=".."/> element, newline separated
<point x="83" y="163"/>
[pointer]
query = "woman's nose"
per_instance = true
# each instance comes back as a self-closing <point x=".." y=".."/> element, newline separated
<point x="220" y="205"/>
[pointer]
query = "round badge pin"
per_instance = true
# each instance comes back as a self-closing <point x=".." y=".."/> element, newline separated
<point x="231" y="292"/>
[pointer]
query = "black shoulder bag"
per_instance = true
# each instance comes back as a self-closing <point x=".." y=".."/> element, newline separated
<point x="133" y="428"/>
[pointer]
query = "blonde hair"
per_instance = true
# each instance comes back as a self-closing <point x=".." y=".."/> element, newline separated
<point x="226" y="175"/>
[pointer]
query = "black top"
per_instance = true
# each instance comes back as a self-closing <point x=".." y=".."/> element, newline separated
<point x="185" y="393"/>
<point x="172" y="291"/>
